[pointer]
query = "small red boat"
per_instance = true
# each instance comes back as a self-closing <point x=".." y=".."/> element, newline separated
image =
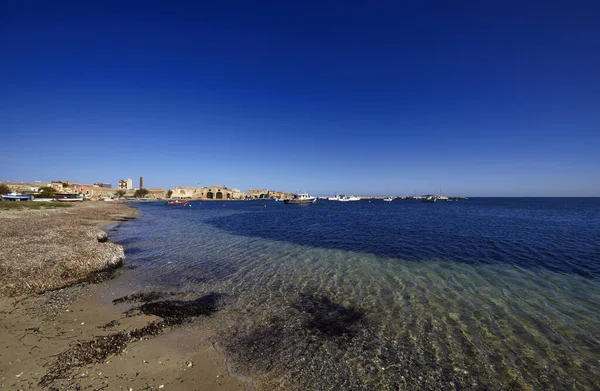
<point x="176" y="202"/>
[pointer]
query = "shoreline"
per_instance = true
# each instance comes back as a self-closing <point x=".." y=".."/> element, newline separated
<point x="56" y="320"/>
<point x="47" y="249"/>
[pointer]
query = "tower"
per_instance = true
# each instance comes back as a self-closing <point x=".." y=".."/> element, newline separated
<point x="141" y="182"/>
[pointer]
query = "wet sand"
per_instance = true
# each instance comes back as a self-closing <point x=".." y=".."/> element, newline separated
<point x="74" y="337"/>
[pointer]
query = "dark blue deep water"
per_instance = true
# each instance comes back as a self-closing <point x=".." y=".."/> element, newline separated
<point x="489" y="293"/>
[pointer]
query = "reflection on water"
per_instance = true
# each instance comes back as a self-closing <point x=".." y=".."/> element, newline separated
<point x="366" y="303"/>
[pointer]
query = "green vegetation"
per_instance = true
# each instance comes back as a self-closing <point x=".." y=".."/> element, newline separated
<point x="140" y="193"/>
<point x="4" y="188"/>
<point x="19" y="205"/>
<point x="45" y="192"/>
<point x="169" y="193"/>
<point x="120" y="193"/>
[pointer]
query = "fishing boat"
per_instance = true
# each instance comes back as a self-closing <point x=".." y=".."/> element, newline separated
<point x="302" y="198"/>
<point x="388" y="199"/>
<point x="176" y="202"/>
<point x="343" y="198"/>
<point x="68" y="197"/>
<point x="17" y="197"/>
<point x="349" y="198"/>
<point x="429" y="198"/>
<point x="442" y="197"/>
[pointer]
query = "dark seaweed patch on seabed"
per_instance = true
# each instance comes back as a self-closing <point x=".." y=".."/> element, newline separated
<point x="179" y="310"/>
<point x="95" y="351"/>
<point x="329" y="318"/>
<point x="296" y="342"/>
<point x="315" y="343"/>
<point x="173" y="312"/>
<point x="143" y="297"/>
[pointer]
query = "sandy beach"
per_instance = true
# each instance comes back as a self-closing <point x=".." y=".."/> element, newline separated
<point x="61" y="329"/>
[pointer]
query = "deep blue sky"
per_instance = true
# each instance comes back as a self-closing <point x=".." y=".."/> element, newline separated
<point x="368" y="97"/>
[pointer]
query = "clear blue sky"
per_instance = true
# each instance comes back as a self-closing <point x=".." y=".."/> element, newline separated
<point x="368" y="97"/>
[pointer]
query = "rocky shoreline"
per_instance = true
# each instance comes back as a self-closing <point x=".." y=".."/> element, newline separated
<point x="59" y="332"/>
<point x="42" y="250"/>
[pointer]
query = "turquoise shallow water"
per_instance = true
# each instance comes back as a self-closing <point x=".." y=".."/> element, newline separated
<point x="480" y="294"/>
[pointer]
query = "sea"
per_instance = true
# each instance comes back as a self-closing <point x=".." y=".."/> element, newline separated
<point x="477" y="294"/>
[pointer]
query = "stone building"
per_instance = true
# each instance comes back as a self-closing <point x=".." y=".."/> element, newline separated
<point x="86" y="190"/>
<point x="57" y="186"/>
<point x="215" y="192"/>
<point x="258" y="193"/>
<point x="279" y="194"/>
<point x="157" y="193"/>
<point x="104" y="192"/>
<point x="186" y="192"/>
<point x="264" y="193"/>
<point x="24" y="187"/>
<point x="237" y="194"/>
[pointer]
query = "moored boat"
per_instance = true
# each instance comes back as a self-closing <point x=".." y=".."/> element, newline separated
<point x="302" y="198"/>
<point x="388" y="199"/>
<point x="176" y="202"/>
<point x="343" y="198"/>
<point x="429" y="198"/>
<point x="68" y="197"/>
<point x="17" y="197"/>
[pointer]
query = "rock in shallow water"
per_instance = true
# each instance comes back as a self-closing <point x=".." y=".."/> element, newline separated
<point x="102" y="236"/>
<point x="114" y="256"/>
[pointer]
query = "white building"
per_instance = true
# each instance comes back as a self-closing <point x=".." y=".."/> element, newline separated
<point x="126" y="184"/>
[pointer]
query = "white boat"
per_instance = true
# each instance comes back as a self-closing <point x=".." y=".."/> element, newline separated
<point x="388" y="199"/>
<point x="442" y="197"/>
<point x="428" y="198"/>
<point x="43" y="199"/>
<point x="302" y="198"/>
<point x="343" y="198"/>
<point x="17" y="197"/>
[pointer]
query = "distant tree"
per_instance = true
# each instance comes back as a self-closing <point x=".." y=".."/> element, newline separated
<point x="65" y="184"/>
<point x="140" y="193"/>
<point x="46" y="192"/>
<point x="169" y="193"/>
<point x="120" y="193"/>
<point x="4" y="188"/>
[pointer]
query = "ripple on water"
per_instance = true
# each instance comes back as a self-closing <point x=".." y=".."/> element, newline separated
<point x="302" y="316"/>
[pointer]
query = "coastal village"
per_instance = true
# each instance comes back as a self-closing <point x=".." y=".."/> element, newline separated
<point x="127" y="189"/>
